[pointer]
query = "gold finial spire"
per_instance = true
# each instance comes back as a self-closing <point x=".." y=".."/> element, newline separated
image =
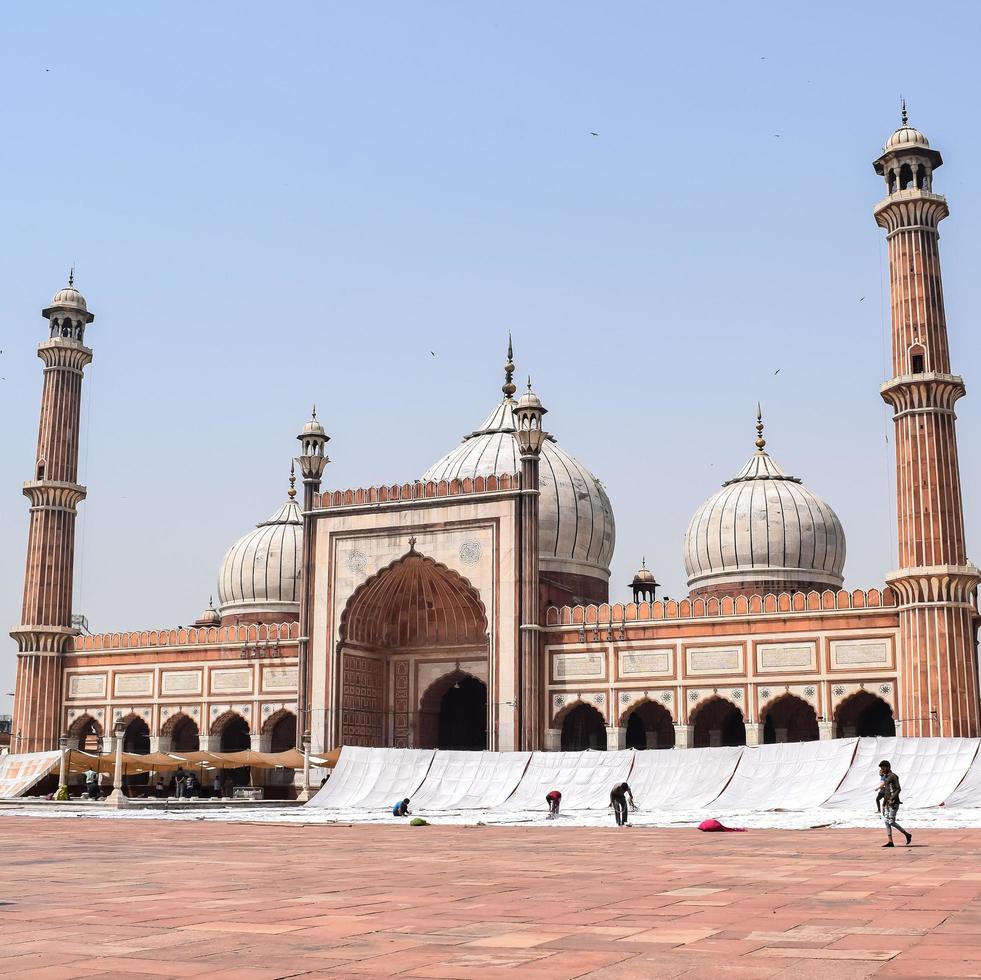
<point x="291" y="493"/>
<point x="904" y="114"/>
<point x="529" y="382"/>
<point x="71" y="275"/>
<point x="760" y="441"/>
<point x="508" y="387"/>
<point x="314" y="409"/>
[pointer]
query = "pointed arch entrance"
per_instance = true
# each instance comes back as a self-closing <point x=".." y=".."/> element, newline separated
<point x="409" y="636"/>
<point x="716" y="722"/>
<point x="789" y="719"/>
<point x="453" y="713"/>
<point x="865" y="715"/>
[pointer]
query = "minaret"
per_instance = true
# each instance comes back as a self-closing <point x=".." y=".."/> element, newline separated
<point x="54" y="493"/>
<point x="313" y="461"/>
<point x="935" y="583"/>
<point x="528" y="432"/>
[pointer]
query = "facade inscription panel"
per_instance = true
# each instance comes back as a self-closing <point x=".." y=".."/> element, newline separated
<point x="87" y="685"/>
<point x="139" y="684"/>
<point x="181" y="682"/>
<point x="859" y="653"/>
<point x="577" y="666"/>
<point x="635" y="663"/>
<point x="786" y="656"/>
<point x="715" y="660"/>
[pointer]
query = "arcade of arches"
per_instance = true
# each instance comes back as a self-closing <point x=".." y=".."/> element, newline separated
<point x="414" y="654"/>
<point x="649" y="726"/>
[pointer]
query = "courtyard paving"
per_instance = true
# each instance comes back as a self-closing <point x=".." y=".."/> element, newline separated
<point x="124" y="898"/>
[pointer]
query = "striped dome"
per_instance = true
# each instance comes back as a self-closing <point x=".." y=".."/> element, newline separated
<point x="576" y="527"/>
<point x="764" y="528"/>
<point x="261" y="571"/>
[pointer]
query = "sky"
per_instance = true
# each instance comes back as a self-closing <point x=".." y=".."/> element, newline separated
<point x="270" y="205"/>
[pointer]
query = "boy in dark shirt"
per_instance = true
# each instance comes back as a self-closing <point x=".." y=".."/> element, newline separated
<point x="890" y="789"/>
<point x="618" y="800"/>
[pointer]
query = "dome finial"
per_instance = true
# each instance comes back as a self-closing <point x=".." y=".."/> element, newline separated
<point x="314" y="409"/>
<point x="71" y="275"/>
<point x="508" y="387"/>
<point x="760" y="441"/>
<point x="903" y="113"/>
<point x="291" y="493"/>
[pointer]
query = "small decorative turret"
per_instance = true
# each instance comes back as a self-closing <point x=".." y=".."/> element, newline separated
<point x="528" y="417"/>
<point x="312" y="458"/>
<point x="210" y="617"/>
<point x="644" y="584"/>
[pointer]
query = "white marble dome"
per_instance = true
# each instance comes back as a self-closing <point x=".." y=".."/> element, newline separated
<point x="906" y="136"/>
<point x="69" y="298"/>
<point x="764" y="527"/>
<point x="576" y="527"/>
<point x="260" y="574"/>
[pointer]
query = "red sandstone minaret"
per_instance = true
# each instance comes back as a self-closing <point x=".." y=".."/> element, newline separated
<point x="935" y="583"/>
<point x="54" y="494"/>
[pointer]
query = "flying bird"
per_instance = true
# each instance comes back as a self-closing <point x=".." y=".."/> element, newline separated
<point x="861" y="301"/>
<point x="433" y="353"/>
<point x="594" y="134"/>
<point x="775" y="373"/>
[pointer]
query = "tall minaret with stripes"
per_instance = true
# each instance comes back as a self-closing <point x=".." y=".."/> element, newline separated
<point x="54" y="493"/>
<point x="935" y="584"/>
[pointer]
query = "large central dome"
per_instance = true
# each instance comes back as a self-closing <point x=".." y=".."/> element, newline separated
<point x="576" y="528"/>
<point x="763" y="532"/>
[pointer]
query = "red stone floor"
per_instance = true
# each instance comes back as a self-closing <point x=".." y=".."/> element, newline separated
<point x="127" y="898"/>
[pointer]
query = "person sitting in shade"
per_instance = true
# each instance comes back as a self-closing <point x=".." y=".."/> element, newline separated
<point x="401" y="809"/>
<point x="553" y="799"/>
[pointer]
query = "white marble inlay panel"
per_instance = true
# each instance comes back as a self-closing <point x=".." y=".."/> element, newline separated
<point x="87" y="685"/>
<point x="715" y="660"/>
<point x="133" y="684"/>
<point x="279" y="678"/>
<point x="786" y="656"/>
<point x="577" y="666"/>
<point x="181" y="682"/>
<point x="640" y="662"/>
<point x="859" y="653"/>
<point x="223" y="681"/>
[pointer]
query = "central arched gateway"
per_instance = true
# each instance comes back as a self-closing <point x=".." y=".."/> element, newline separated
<point x="413" y="658"/>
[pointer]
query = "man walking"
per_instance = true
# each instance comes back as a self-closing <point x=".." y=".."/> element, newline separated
<point x="889" y="788"/>
<point x="618" y="800"/>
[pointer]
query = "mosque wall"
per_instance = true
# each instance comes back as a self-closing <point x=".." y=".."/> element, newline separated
<point x="204" y="674"/>
<point x="820" y="648"/>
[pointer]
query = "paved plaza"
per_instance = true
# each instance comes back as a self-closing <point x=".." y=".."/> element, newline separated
<point x="87" y="897"/>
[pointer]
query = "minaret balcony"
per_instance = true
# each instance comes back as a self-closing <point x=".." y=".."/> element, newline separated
<point x="929" y="391"/>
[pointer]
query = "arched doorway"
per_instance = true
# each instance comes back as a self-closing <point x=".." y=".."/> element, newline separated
<point x="789" y="719"/>
<point x="583" y="728"/>
<point x="282" y="733"/>
<point x="184" y="735"/>
<point x="453" y="714"/>
<point x="417" y="612"/>
<point x="718" y="722"/>
<point x="234" y="736"/>
<point x="88" y="734"/>
<point x="136" y="741"/>
<point x="865" y="715"/>
<point x="649" y="726"/>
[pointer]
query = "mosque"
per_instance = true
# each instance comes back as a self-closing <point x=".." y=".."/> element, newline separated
<point x="470" y="609"/>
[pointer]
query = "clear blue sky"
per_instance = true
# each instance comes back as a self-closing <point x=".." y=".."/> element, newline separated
<point x="274" y="204"/>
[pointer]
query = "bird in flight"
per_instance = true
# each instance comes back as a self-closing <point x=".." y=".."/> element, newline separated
<point x="594" y="134"/>
<point x="775" y="373"/>
<point x="433" y="353"/>
<point x="862" y="300"/>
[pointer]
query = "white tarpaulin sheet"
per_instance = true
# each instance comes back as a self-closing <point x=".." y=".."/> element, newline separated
<point x="374" y="778"/>
<point x="470" y="780"/>
<point x="18" y="773"/>
<point x="968" y="792"/>
<point x="680" y="779"/>
<point x="583" y="778"/>
<point x="929" y="769"/>
<point x="788" y="776"/>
